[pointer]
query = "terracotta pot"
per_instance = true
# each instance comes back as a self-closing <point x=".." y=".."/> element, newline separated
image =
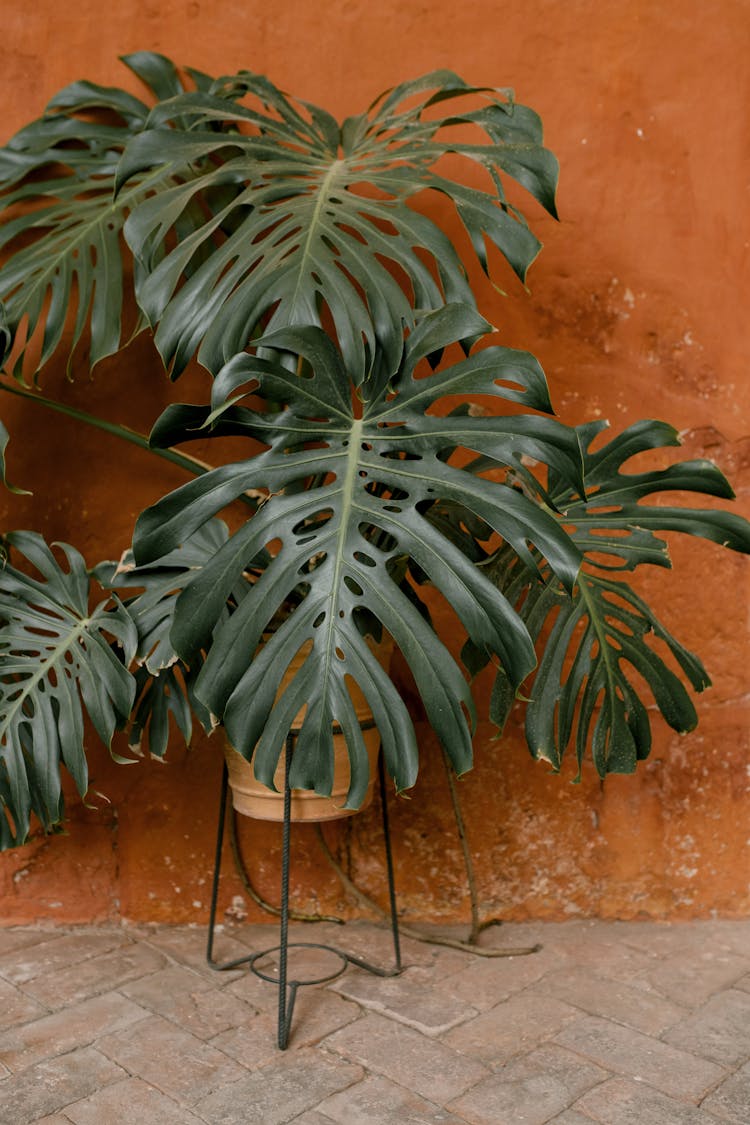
<point x="251" y="798"/>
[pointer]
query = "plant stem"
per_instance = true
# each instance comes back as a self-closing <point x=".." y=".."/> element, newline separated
<point x="184" y="460"/>
<point x="241" y="869"/>
<point x="408" y="931"/>
<point x="477" y="926"/>
<point x="469" y="866"/>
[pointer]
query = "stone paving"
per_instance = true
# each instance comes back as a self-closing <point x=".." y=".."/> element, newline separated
<point x="619" y="1023"/>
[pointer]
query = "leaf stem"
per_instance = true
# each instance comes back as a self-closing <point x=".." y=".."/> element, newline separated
<point x="416" y="935"/>
<point x="241" y="869"/>
<point x="468" y="865"/>
<point x="184" y="460"/>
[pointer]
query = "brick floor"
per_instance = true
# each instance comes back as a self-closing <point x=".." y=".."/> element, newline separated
<point x="616" y="1023"/>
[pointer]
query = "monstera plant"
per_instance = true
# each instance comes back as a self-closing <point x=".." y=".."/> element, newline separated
<point x="395" y="453"/>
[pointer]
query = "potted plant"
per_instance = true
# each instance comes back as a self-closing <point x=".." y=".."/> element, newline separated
<point x="390" y="443"/>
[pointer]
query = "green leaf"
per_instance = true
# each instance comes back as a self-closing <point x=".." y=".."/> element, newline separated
<point x="152" y="608"/>
<point x="170" y="692"/>
<point x="157" y="72"/>
<point x="61" y="222"/>
<point x="501" y="700"/>
<point x="4" y="438"/>
<point x="318" y="215"/>
<point x="613" y="497"/>
<point x="6" y="336"/>
<point x="372" y="481"/>
<point x="597" y="635"/>
<point x="602" y="642"/>
<point x="164" y="684"/>
<point x="57" y="661"/>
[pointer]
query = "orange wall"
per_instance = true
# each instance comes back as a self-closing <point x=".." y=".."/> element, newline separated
<point x="635" y="310"/>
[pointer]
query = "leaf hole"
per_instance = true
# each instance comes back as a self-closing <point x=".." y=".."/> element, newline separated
<point x="313" y="562"/>
<point x="312" y="523"/>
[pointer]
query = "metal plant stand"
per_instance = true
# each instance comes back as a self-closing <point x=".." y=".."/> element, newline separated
<point x="288" y="988"/>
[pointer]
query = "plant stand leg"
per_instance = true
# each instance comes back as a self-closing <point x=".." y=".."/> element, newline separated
<point x="288" y="988"/>
<point x="217" y="870"/>
<point x="389" y="866"/>
<point x="286" y="1000"/>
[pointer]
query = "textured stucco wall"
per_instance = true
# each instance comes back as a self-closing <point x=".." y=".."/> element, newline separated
<point x="635" y="310"/>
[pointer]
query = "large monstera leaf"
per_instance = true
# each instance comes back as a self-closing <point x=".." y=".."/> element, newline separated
<point x="62" y="223"/>
<point x="339" y="547"/>
<point x="56" y="662"/>
<point x="603" y="642"/>
<point x="319" y="216"/>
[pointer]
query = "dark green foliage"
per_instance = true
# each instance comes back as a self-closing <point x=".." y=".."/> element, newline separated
<point x="319" y="211"/>
<point x="62" y="221"/>
<point x="292" y="254"/>
<point x="57" y="660"/>
<point x="604" y="640"/>
<point x="346" y="539"/>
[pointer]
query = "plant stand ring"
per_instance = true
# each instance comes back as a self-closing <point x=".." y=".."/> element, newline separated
<point x="274" y="978"/>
